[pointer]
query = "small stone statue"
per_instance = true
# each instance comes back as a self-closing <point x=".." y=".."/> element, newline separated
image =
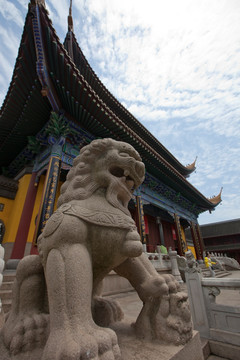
<point x="192" y="265"/>
<point x="57" y="311"/>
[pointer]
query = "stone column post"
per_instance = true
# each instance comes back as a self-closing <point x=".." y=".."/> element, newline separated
<point x="160" y="255"/>
<point x="160" y="227"/>
<point x="196" y="299"/>
<point x="175" y="271"/>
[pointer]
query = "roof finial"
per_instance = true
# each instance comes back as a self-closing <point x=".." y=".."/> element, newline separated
<point x="70" y="20"/>
<point x="38" y="2"/>
<point x="215" y="200"/>
<point x="193" y="165"/>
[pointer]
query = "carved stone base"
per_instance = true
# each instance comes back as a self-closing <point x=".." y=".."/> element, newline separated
<point x="134" y="349"/>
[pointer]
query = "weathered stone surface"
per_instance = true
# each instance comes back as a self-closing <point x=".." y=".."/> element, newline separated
<point x="57" y="310"/>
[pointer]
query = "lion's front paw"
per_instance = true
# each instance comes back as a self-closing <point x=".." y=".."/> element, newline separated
<point x="82" y="344"/>
<point x="166" y="318"/>
<point x="173" y="321"/>
<point x="26" y="333"/>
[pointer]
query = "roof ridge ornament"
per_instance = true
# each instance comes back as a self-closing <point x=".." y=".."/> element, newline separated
<point x="70" y="19"/>
<point x="216" y="199"/>
<point x="192" y="166"/>
<point x="38" y="2"/>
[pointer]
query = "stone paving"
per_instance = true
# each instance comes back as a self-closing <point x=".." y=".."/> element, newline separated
<point x="131" y="304"/>
<point x="230" y="297"/>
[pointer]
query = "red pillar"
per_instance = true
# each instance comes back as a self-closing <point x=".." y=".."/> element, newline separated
<point x="200" y="239"/>
<point x="196" y="242"/>
<point x="25" y="220"/>
<point x="181" y="243"/>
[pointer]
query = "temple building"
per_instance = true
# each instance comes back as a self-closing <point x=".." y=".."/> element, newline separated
<point x="55" y="105"/>
<point x="222" y="237"/>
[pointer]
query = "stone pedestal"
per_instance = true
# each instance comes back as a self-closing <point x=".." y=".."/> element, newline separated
<point x="135" y="349"/>
<point x="175" y="271"/>
<point x="196" y="301"/>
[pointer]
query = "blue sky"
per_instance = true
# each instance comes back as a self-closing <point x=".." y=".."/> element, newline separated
<point x="174" y="64"/>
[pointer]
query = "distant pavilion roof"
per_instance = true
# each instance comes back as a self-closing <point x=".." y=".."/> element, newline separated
<point x="48" y="77"/>
<point x="221" y="228"/>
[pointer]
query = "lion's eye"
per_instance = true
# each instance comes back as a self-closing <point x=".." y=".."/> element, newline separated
<point x="116" y="171"/>
<point x="123" y="154"/>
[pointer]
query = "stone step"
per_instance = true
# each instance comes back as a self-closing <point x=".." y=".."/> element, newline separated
<point x="6" y="285"/>
<point x="215" y="357"/>
<point x="206" y="269"/>
<point x="9" y="276"/>
<point x="222" y="274"/>
<point x="6" y="305"/>
<point x="224" y="351"/>
<point x="6" y="290"/>
<point x="218" y="273"/>
<point x="6" y="295"/>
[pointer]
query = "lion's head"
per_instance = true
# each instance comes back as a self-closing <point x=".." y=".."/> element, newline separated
<point x="111" y="165"/>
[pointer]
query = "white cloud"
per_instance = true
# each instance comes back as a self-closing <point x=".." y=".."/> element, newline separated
<point x="11" y="13"/>
<point x="6" y="67"/>
<point x="23" y="3"/>
<point x="173" y="64"/>
<point x="10" y="41"/>
<point x="58" y="11"/>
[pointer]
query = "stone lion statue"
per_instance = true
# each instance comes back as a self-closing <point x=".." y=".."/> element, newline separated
<point x="57" y="311"/>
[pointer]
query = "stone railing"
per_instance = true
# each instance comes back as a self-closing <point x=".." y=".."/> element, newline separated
<point x="165" y="262"/>
<point x="223" y="319"/>
<point x="225" y="262"/>
<point x="214" y="321"/>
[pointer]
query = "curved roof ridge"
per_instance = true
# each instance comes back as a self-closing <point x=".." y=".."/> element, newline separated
<point x="112" y="113"/>
<point x="158" y="163"/>
<point x="192" y="166"/>
<point x="184" y="170"/>
<point x="216" y="199"/>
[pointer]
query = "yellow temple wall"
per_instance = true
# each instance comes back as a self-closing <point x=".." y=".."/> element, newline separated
<point x="184" y="237"/>
<point x="14" y="213"/>
<point x="193" y="250"/>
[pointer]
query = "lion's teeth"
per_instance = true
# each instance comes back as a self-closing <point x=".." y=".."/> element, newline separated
<point x="126" y="172"/>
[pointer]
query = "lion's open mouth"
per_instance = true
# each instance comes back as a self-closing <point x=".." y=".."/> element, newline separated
<point x="124" y="174"/>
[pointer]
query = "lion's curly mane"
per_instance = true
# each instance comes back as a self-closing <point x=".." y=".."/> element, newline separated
<point x="80" y="184"/>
